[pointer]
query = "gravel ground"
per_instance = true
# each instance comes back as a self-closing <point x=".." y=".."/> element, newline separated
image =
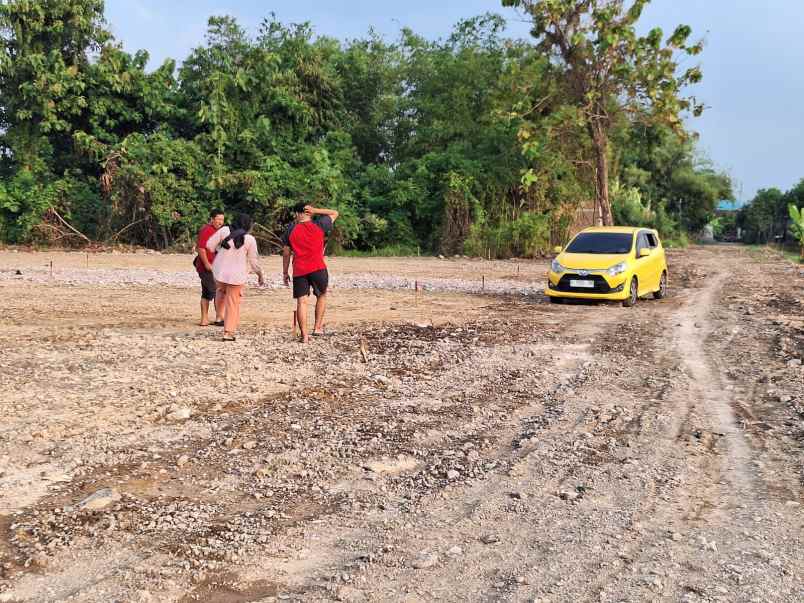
<point x="454" y="447"/>
<point x="153" y="278"/>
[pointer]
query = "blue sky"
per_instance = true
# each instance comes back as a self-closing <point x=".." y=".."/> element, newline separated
<point x="753" y="77"/>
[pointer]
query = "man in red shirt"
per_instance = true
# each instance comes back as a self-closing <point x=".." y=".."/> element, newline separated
<point x="203" y="265"/>
<point x="306" y="238"/>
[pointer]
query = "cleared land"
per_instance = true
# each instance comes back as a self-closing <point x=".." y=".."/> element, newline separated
<point x="487" y="446"/>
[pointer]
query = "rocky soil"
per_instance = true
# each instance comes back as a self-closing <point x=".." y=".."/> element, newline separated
<point x="464" y="443"/>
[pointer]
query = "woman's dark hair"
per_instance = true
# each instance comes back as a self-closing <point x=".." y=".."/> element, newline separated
<point x="241" y="226"/>
<point x="215" y="212"/>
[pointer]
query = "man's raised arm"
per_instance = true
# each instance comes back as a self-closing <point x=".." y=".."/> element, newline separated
<point x="321" y="211"/>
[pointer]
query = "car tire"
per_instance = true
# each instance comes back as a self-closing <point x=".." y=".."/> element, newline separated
<point x="662" y="292"/>
<point x="633" y="294"/>
<point x="556" y="300"/>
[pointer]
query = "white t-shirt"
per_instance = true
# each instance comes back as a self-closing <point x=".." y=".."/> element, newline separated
<point x="231" y="266"/>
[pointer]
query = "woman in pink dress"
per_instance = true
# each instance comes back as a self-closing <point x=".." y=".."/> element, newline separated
<point x="235" y="254"/>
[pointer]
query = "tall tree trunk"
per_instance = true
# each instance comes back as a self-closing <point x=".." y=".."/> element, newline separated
<point x="600" y="142"/>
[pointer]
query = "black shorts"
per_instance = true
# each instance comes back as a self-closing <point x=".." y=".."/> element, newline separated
<point x="317" y="280"/>
<point x="208" y="286"/>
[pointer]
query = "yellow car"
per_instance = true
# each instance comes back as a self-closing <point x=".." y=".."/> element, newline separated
<point x="613" y="263"/>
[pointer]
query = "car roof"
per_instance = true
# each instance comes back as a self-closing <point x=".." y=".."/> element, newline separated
<point x="617" y="229"/>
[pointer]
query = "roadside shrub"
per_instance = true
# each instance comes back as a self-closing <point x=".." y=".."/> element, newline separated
<point x="390" y="251"/>
<point x="23" y="201"/>
<point x="526" y="236"/>
<point x="630" y="209"/>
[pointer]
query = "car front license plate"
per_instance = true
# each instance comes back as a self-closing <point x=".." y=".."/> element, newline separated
<point x="582" y="284"/>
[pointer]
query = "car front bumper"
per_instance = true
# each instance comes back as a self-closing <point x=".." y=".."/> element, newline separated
<point x="614" y="285"/>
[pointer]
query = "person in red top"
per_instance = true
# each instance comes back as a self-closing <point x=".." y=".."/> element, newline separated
<point x="305" y="239"/>
<point x="203" y="265"/>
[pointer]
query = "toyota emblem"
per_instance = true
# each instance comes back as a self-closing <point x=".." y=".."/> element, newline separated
<point x="583" y="272"/>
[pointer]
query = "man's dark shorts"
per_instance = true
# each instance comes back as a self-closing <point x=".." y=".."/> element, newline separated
<point x="208" y="285"/>
<point x="318" y="280"/>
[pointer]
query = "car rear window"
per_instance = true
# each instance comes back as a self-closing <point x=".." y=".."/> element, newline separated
<point x="601" y="242"/>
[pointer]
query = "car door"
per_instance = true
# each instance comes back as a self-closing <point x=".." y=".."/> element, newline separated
<point x="645" y="265"/>
<point x="657" y="257"/>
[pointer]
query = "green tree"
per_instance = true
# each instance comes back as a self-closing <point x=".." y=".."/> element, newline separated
<point x="797" y="226"/>
<point x="758" y="219"/>
<point x="470" y="143"/>
<point x="44" y="54"/>
<point x="609" y="73"/>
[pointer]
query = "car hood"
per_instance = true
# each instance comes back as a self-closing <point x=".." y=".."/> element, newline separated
<point x="590" y="261"/>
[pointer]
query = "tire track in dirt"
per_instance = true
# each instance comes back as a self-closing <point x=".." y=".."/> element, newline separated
<point x="707" y="386"/>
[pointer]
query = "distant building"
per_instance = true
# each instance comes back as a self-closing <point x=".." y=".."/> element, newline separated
<point x="727" y="206"/>
<point x="726" y="212"/>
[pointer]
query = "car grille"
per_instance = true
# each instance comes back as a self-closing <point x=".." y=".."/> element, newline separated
<point x="601" y="285"/>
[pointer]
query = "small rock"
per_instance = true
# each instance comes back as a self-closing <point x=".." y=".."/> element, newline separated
<point x="707" y="545"/>
<point x="676" y="537"/>
<point x="180" y="414"/>
<point x="350" y="594"/>
<point x="455" y="551"/>
<point x="794" y="362"/>
<point x="99" y="500"/>
<point x="564" y="495"/>
<point x="425" y="561"/>
<point x="452" y="474"/>
<point x="489" y="539"/>
<point x="183" y="460"/>
<point x="250" y="445"/>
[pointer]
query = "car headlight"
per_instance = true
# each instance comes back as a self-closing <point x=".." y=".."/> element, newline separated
<point x="617" y="269"/>
<point x="556" y="267"/>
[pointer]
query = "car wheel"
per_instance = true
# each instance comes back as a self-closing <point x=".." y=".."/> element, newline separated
<point x="662" y="292"/>
<point x="633" y="294"/>
<point x="556" y="300"/>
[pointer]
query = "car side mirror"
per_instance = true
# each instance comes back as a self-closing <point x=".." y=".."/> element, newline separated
<point x="644" y="252"/>
<point x="557" y="249"/>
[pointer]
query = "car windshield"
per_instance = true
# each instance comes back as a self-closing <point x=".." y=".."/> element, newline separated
<point x="601" y="242"/>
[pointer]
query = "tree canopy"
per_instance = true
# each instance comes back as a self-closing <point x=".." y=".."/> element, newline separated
<point x="473" y="143"/>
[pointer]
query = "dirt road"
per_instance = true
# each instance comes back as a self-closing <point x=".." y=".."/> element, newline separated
<point x="488" y="447"/>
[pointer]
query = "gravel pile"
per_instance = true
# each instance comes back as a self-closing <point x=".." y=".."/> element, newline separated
<point x="150" y="278"/>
